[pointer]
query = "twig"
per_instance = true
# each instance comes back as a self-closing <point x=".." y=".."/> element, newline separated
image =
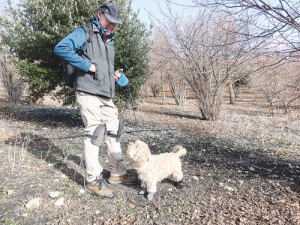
<point x="9" y="156"/>
<point x="47" y="153"/>
<point x="65" y="158"/>
<point x="13" y="165"/>
<point x="81" y="163"/>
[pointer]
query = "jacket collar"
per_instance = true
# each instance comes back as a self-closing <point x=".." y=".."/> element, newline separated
<point x="101" y="29"/>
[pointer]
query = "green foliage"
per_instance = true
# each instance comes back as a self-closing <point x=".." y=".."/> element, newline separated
<point x="131" y="213"/>
<point x="3" y="190"/>
<point x="40" y="80"/>
<point x="132" y="54"/>
<point x="10" y="221"/>
<point x="35" y="27"/>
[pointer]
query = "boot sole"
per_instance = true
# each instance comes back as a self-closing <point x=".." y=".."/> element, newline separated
<point x="112" y="195"/>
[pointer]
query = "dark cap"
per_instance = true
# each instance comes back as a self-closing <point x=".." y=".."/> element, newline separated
<point x="111" y="12"/>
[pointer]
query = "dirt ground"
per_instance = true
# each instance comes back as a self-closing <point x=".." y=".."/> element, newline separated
<point x="242" y="169"/>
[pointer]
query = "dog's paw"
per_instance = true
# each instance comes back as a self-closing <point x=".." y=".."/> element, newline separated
<point x="180" y="185"/>
<point x="150" y="196"/>
<point x="142" y="191"/>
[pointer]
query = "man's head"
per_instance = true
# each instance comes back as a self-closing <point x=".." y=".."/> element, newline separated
<point x="109" y="16"/>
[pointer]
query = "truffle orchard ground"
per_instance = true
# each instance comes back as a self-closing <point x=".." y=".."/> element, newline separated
<point x="242" y="169"/>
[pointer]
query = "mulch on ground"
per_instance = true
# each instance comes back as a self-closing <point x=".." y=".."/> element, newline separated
<point x="228" y="179"/>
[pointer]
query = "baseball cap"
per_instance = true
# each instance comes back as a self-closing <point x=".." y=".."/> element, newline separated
<point x="111" y="12"/>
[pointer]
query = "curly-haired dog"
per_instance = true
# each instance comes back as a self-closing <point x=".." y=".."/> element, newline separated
<point x="154" y="168"/>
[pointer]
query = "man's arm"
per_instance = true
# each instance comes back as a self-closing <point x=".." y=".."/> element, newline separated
<point x="67" y="47"/>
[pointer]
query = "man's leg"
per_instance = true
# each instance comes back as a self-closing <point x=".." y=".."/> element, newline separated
<point x="115" y="158"/>
<point x="89" y="106"/>
<point x="91" y="153"/>
<point x="118" y="173"/>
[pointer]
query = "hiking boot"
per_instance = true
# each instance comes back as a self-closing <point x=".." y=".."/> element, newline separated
<point x="99" y="188"/>
<point x="125" y="179"/>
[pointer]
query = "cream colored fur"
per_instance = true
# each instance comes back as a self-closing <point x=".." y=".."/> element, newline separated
<point x="152" y="169"/>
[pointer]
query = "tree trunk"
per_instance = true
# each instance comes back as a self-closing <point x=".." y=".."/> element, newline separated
<point x="232" y="96"/>
<point x="237" y="92"/>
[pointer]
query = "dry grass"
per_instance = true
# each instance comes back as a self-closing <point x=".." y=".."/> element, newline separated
<point x="249" y="117"/>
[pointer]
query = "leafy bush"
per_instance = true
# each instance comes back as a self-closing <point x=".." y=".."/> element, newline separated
<point x="34" y="28"/>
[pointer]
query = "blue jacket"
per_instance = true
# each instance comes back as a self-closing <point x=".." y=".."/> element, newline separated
<point x="100" y="52"/>
<point x="67" y="47"/>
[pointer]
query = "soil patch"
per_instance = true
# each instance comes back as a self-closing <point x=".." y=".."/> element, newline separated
<point x="243" y="169"/>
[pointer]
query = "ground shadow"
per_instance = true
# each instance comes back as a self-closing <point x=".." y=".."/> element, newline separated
<point x="48" y="152"/>
<point x="218" y="154"/>
<point x="47" y="115"/>
<point x="174" y="113"/>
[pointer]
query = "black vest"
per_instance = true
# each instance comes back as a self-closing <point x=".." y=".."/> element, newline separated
<point x="101" y="54"/>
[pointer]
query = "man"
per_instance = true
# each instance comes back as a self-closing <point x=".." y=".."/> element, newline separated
<point x="94" y="90"/>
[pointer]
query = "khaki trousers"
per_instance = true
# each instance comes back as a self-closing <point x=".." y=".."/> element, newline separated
<point x="94" y="111"/>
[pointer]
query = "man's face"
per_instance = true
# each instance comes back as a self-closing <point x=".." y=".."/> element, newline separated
<point x="105" y="23"/>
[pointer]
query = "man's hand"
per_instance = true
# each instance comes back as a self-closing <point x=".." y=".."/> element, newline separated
<point x="117" y="74"/>
<point x="92" y="68"/>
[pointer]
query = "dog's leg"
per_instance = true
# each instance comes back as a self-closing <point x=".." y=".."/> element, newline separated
<point x="151" y="189"/>
<point x="180" y="184"/>
<point x="143" y="188"/>
<point x="150" y="195"/>
<point x="142" y="191"/>
<point x="179" y="178"/>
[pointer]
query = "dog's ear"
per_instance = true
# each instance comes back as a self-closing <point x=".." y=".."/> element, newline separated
<point x="141" y="145"/>
<point x="179" y="150"/>
<point x="131" y="149"/>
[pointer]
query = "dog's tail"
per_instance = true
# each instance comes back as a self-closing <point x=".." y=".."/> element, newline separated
<point x="179" y="150"/>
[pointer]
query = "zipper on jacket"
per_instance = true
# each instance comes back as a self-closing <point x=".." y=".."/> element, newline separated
<point x="107" y="59"/>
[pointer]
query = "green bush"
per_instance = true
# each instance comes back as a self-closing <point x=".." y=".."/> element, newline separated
<point x="34" y="28"/>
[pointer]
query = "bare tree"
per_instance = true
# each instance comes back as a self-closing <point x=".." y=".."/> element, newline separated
<point x="209" y="56"/>
<point x="244" y="80"/>
<point x="178" y="87"/>
<point x="166" y="68"/>
<point x="155" y="84"/>
<point x="277" y="21"/>
<point x="10" y="79"/>
<point x="280" y="85"/>
<point x="273" y="28"/>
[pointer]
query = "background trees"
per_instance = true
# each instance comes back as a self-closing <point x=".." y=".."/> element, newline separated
<point x="166" y="69"/>
<point x="10" y="79"/>
<point x="34" y="28"/>
<point x="280" y="84"/>
<point x="221" y="46"/>
<point x="268" y="20"/>
<point x="206" y="55"/>
<point x="226" y="43"/>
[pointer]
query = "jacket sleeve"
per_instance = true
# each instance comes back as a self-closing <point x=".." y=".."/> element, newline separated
<point x="67" y="47"/>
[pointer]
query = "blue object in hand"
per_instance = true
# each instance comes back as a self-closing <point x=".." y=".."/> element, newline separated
<point x="123" y="81"/>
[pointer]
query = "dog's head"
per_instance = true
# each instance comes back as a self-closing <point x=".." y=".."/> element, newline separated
<point x="139" y="152"/>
